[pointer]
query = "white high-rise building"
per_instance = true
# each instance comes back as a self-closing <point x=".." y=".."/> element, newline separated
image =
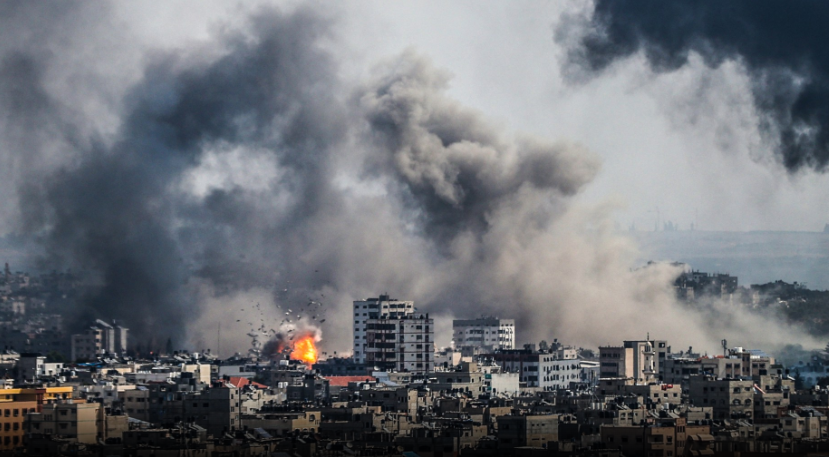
<point x="381" y="307"/>
<point x="401" y="343"/>
<point x="488" y="333"/>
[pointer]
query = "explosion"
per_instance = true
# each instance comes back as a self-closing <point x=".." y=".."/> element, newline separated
<point x="305" y="349"/>
<point x="302" y="346"/>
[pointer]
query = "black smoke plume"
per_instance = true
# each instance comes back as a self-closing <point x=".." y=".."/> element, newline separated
<point x="244" y="171"/>
<point x="118" y="211"/>
<point x="781" y="45"/>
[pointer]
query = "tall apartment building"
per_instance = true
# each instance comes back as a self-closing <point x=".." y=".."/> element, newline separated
<point x="402" y="343"/>
<point x="381" y="307"/>
<point x="547" y="370"/>
<point x="639" y="361"/>
<point x="98" y="340"/>
<point x="488" y="333"/>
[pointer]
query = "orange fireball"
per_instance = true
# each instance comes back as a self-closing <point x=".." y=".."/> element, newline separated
<point x="305" y="350"/>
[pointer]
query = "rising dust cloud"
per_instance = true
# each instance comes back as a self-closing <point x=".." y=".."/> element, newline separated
<point x="254" y="175"/>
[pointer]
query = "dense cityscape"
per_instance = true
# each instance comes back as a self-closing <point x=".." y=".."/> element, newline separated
<point x="489" y="394"/>
<point x="289" y="228"/>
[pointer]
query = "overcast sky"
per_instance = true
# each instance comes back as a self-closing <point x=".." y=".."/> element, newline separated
<point x="687" y="142"/>
<point x="684" y="145"/>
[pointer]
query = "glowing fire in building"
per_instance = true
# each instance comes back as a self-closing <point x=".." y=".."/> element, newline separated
<point x="305" y="350"/>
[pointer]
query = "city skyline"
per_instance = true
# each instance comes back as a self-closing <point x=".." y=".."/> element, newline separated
<point x="196" y="162"/>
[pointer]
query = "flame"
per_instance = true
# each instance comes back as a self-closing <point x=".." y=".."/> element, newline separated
<point x="305" y="350"/>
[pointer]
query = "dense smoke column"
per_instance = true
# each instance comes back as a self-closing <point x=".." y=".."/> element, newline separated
<point x="782" y="45"/>
<point x="478" y="194"/>
<point x="119" y="211"/>
<point x="454" y="168"/>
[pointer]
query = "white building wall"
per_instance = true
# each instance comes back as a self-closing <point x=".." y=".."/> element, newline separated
<point x="375" y="308"/>
<point x="503" y="383"/>
<point x="121" y="339"/>
<point x="484" y="333"/>
<point x="558" y="373"/>
<point x="527" y="369"/>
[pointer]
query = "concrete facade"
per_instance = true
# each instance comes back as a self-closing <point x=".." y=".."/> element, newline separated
<point x="488" y="334"/>
<point x="381" y="307"/>
<point x="403" y="343"/>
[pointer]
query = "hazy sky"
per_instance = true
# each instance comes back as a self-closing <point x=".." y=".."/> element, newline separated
<point x="685" y="142"/>
<point x="245" y="152"/>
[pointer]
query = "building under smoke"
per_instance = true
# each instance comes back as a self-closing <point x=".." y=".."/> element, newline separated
<point x="637" y="361"/>
<point x="486" y="334"/>
<point x="401" y="343"/>
<point x="98" y="340"/>
<point x="381" y="307"/>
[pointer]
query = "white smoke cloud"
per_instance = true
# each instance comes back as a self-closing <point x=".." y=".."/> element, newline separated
<point x="275" y="173"/>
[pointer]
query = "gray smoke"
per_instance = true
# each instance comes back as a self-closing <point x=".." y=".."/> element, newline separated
<point x="780" y="45"/>
<point x="244" y="171"/>
<point x="453" y="167"/>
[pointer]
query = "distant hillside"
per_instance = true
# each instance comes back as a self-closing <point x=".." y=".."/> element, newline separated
<point x="755" y="257"/>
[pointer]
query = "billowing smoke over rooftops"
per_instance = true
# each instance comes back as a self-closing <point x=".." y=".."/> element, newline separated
<point x="780" y="45"/>
<point x="246" y="166"/>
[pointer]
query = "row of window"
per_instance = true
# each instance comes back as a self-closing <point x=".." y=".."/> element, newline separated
<point x="8" y="440"/>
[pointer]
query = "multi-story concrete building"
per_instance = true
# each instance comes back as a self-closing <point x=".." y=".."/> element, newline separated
<point x="381" y="307"/>
<point x="637" y="360"/>
<point x="468" y="377"/>
<point x="680" y="370"/>
<point x="75" y="419"/>
<point x="401" y="343"/>
<point x="12" y="416"/>
<point x="729" y="398"/>
<point x="87" y="345"/>
<point x="527" y="430"/>
<point x="665" y="437"/>
<point x="488" y="333"/>
<point x="558" y="368"/>
<point x="98" y="340"/>
<point x="722" y="367"/>
<point x="525" y="362"/>
<point x="217" y="408"/>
